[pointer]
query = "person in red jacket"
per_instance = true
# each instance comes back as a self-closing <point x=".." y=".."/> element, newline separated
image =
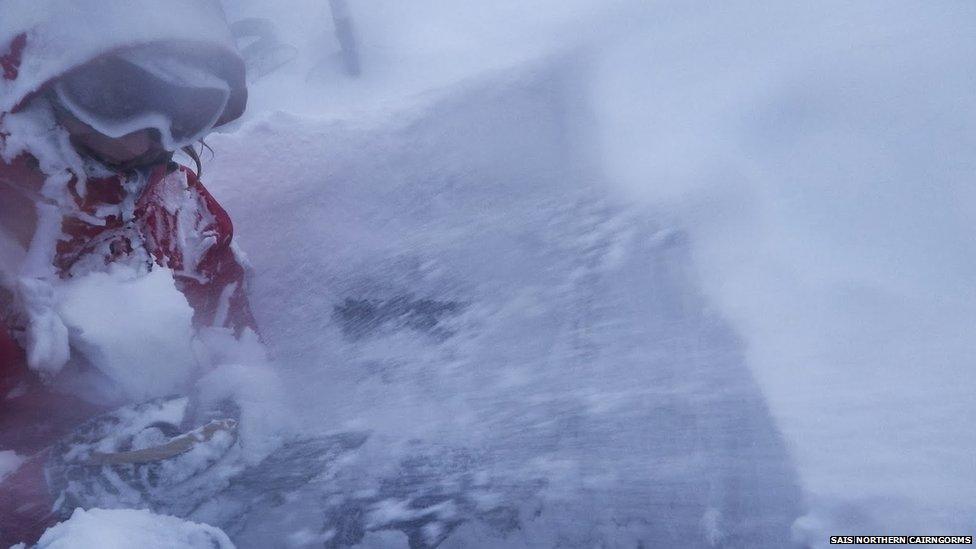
<point x="95" y="188"/>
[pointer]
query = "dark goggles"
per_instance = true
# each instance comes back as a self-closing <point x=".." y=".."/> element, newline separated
<point x="120" y="95"/>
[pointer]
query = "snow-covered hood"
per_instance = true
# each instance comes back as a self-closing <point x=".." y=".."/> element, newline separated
<point x="41" y="40"/>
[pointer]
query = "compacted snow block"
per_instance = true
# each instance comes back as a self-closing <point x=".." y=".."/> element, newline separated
<point x="128" y="528"/>
<point x="116" y="316"/>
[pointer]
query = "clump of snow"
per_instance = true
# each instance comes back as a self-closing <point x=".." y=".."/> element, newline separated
<point x="127" y="528"/>
<point x="31" y="272"/>
<point x="455" y="284"/>
<point x="35" y="131"/>
<point x="47" y="336"/>
<point x="267" y="416"/>
<point x="135" y="329"/>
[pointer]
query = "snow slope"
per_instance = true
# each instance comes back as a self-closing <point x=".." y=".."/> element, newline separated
<point x="817" y="155"/>
<point x="533" y="359"/>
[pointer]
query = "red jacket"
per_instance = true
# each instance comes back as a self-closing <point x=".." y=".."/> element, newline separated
<point x="176" y="224"/>
<point x="162" y="219"/>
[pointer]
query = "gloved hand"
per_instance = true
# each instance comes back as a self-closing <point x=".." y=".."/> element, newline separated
<point x="160" y="455"/>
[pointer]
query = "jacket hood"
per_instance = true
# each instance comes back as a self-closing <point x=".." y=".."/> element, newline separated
<point x="41" y="40"/>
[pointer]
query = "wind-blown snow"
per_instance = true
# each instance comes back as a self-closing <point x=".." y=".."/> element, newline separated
<point x="818" y="155"/>
<point x="530" y="357"/>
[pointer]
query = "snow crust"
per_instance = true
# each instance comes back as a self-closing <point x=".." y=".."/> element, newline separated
<point x="127" y="528"/>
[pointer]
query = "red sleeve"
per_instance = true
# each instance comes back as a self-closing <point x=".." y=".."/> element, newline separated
<point x="208" y="269"/>
<point x="219" y="294"/>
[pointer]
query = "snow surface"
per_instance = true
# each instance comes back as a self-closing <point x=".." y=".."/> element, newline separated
<point x="127" y="528"/>
<point x="817" y="155"/>
<point x="530" y="356"/>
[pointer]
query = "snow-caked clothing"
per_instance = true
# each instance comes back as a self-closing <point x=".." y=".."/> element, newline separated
<point x="164" y="218"/>
<point x="176" y="224"/>
<point x="73" y="217"/>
